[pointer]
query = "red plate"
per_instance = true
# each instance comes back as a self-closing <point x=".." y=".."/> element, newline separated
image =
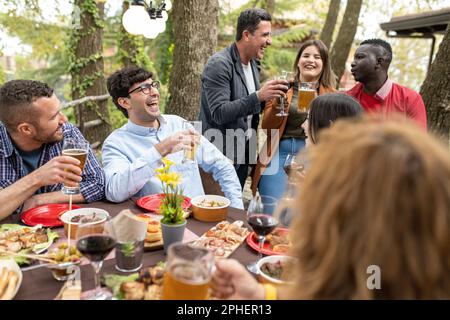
<point x="47" y="215"/>
<point x="252" y="241"/>
<point x="152" y="202"/>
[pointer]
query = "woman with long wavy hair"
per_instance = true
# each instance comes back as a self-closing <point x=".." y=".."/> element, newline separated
<point x="376" y="197"/>
<point x="312" y="64"/>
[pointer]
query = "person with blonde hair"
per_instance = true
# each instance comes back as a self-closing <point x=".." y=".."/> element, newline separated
<point x="377" y="198"/>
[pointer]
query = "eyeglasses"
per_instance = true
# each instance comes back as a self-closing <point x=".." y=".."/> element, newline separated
<point x="146" y="88"/>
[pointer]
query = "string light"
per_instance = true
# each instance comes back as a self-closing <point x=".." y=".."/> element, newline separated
<point x="145" y="19"/>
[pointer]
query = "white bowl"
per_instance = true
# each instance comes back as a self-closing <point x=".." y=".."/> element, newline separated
<point x="67" y="216"/>
<point x="272" y="259"/>
<point x="210" y="214"/>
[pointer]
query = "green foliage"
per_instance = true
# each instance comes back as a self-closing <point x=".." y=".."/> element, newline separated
<point x="85" y="8"/>
<point x="2" y="76"/>
<point x="44" y="38"/>
<point x="116" y="117"/>
<point x="162" y="49"/>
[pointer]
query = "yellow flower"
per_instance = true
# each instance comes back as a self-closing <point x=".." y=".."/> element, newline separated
<point x="167" y="163"/>
<point x="170" y="208"/>
<point x="160" y="170"/>
<point x="172" y="179"/>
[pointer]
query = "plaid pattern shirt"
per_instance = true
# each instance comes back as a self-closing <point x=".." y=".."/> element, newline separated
<point x="92" y="185"/>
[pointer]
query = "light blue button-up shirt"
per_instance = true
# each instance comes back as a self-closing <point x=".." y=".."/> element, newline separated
<point x="130" y="159"/>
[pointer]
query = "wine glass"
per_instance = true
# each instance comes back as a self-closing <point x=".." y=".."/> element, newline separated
<point x="259" y="217"/>
<point x="295" y="166"/>
<point x="286" y="204"/>
<point x="77" y="149"/>
<point x="95" y="240"/>
<point x="288" y="76"/>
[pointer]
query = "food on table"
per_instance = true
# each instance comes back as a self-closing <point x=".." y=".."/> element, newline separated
<point x="86" y="218"/>
<point x="210" y="204"/>
<point x="280" y="270"/>
<point x="145" y="285"/>
<point x="279" y="240"/>
<point x="281" y="248"/>
<point x="154" y="233"/>
<point x="224" y="238"/>
<point x="15" y="238"/>
<point x="64" y="254"/>
<point x="133" y="290"/>
<point x="65" y="258"/>
<point x="26" y="238"/>
<point x="8" y="283"/>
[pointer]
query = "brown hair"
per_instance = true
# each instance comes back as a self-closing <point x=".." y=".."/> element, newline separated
<point x="378" y="193"/>
<point x="16" y="101"/>
<point x="327" y="77"/>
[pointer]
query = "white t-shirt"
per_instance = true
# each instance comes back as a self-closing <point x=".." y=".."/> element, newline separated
<point x="251" y="88"/>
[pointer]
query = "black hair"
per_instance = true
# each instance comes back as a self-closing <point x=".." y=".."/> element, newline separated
<point x="327" y="108"/>
<point x="16" y="101"/>
<point x="249" y="20"/>
<point x="384" y="45"/>
<point x="120" y="82"/>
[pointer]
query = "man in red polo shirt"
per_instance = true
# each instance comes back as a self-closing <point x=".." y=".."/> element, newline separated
<point x="375" y="91"/>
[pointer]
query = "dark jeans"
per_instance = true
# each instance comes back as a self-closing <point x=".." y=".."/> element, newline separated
<point x="242" y="173"/>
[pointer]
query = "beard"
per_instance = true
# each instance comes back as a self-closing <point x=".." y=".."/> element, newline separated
<point x="43" y="137"/>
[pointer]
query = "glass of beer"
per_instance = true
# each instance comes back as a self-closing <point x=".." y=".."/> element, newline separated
<point x="307" y="91"/>
<point x="188" y="273"/>
<point x="196" y="126"/>
<point x="77" y="149"/>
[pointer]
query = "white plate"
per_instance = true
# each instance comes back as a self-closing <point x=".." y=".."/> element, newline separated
<point x="10" y="264"/>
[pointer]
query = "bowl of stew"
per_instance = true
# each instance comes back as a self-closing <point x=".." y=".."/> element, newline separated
<point x="72" y="218"/>
<point x="276" y="269"/>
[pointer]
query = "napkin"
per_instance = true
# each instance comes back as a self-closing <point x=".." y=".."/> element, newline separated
<point x="128" y="227"/>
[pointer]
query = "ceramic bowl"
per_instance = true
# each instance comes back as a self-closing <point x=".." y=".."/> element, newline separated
<point x="89" y="212"/>
<point x="203" y="212"/>
<point x="265" y="278"/>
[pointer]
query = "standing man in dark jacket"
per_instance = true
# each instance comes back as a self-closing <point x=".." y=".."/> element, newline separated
<point x="232" y="98"/>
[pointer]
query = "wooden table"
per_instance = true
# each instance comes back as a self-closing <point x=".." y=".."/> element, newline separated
<point x="39" y="284"/>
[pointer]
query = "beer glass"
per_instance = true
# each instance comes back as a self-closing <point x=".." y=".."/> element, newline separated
<point x="78" y="150"/>
<point x="189" y="155"/>
<point x="307" y="91"/>
<point x="188" y="272"/>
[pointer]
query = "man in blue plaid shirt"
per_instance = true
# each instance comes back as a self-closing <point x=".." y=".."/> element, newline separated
<point x="32" y="170"/>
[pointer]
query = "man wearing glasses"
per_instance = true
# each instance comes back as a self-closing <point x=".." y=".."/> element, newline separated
<point x="133" y="152"/>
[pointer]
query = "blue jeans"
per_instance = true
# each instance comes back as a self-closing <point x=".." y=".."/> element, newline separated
<point x="274" y="179"/>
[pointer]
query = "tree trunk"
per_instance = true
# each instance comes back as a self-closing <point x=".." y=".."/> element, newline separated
<point x="330" y="23"/>
<point x="126" y="45"/>
<point x="131" y="49"/>
<point x="435" y="90"/>
<point x="86" y="69"/>
<point x="195" y="38"/>
<point x="344" y="39"/>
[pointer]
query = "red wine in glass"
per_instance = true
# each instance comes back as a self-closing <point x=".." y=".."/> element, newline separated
<point x="262" y="224"/>
<point x="96" y="247"/>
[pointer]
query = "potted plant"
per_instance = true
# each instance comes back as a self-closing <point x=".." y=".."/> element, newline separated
<point x="173" y="222"/>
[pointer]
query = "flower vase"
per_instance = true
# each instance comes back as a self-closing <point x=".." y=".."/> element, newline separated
<point x="172" y="233"/>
